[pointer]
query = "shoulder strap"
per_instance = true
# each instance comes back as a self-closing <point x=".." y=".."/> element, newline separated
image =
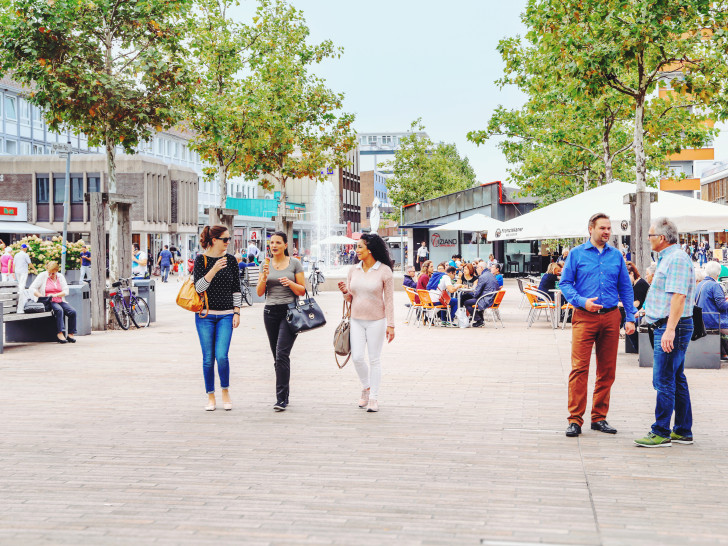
<point x="205" y="303"/>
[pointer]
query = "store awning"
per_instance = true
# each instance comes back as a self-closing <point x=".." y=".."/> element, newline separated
<point x="420" y="226"/>
<point x="24" y="228"/>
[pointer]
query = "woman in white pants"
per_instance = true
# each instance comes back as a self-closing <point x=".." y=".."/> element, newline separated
<point x="370" y="291"/>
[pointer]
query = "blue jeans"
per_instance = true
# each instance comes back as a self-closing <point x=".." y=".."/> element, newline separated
<point x="61" y="310"/>
<point x="165" y="272"/>
<point x="215" y="332"/>
<point x="668" y="379"/>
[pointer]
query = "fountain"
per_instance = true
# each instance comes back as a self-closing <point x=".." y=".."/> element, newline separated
<point x="325" y="217"/>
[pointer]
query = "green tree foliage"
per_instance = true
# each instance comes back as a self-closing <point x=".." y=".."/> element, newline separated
<point x="111" y="69"/>
<point x="423" y="170"/>
<point x="636" y="48"/>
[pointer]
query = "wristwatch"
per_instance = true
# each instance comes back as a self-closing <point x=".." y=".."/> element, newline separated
<point x="236" y="313"/>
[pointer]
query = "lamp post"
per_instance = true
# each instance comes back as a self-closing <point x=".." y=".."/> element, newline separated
<point x="65" y="149"/>
<point x="401" y="238"/>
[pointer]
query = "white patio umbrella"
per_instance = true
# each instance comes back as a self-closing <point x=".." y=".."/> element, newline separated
<point x="477" y="223"/>
<point x="569" y="218"/>
<point x="337" y="240"/>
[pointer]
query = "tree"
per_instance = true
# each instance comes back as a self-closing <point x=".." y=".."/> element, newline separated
<point x="226" y="109"/>
<point x="305" y="131"/>
<point x="110" y="69"/>
<point x="423" y="170"/>
<point x="636" y="48"/>
<point x="562" y="143"/>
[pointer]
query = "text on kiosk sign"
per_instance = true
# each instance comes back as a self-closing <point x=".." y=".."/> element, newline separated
<point x="438" y="241"/>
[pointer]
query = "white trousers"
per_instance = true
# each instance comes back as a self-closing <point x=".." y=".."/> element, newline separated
<point x="7" y="277"/>
<point x="85" y="272"/>
<point x="368" y="334"/>
<point x="22" y="280"/>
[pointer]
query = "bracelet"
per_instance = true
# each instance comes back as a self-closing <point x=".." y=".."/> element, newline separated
<point x="236" y="313"/>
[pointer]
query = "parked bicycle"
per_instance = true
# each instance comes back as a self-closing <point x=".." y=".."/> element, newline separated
<point x="245" y="287"/>
<point x="127" y="307"/>
<point x="316" y="277"/>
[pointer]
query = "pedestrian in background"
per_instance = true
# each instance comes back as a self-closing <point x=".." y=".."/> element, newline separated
<point x="165" y="262"/>
<point x="6" y="265"/>
<point x="594" y="280"/>
<point x="85" y="263"/>
<point x="282" y="280"/>
<point x="21" y="262"/>
<point x="216" y="273"/>
<point x="669" y="312"/>
<point x="370" y="290"/>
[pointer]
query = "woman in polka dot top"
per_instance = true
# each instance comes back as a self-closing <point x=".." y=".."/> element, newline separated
<point x="216" y="272"/>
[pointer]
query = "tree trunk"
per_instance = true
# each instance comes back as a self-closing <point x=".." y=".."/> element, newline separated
<point x="586" y="180"/>
<point x="222" y="183"/>
<point x="282" y="222"/>
<point x="607" y="155"/>
<point x="115" y="243"/>
<point x="640" y="228"/>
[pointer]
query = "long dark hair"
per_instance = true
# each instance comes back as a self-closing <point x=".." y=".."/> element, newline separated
<point x="209" y="233"/>
<point x="378" y="248"/>
<point x="283" y="236"/>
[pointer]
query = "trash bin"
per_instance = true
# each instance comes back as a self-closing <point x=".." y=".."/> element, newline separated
<point x="79" y="297"/>
<point x="146" y="290"/>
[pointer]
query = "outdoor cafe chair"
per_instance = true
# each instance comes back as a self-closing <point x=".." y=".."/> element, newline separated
<point x="493" y="311"/>
<point x="431" y="309"/>
<point x="568" y="309"/>
<point x="414" y="308"/>
<point x="521" y="285"/>
<point x="539" y="302"/>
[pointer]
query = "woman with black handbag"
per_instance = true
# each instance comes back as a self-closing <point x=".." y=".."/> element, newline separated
<point x="282" y="281"/>
<point x="370" y="290"/>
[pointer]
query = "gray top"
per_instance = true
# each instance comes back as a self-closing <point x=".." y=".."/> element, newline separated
<point x="277" y="293"/>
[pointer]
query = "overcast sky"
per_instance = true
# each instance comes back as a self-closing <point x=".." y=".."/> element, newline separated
<point x="405" y="59"/>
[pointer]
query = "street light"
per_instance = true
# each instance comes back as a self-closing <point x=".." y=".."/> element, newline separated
<point x="65" y="150"/>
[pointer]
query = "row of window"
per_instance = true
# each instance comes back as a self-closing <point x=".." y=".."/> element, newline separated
<point x="59" y="189"/>
<point x="14" y="108"/>
<point x="384" y="140"/>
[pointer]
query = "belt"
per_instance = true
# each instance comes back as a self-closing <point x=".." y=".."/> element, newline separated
<point x="602" y="311"/>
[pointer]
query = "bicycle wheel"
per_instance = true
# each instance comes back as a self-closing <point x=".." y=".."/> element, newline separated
<point x="314" y="286"/>
<point x="247" y="295"/>
<point x="140" y="313"/>
<point x="120" y="312"/>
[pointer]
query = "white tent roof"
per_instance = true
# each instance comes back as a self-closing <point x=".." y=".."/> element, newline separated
<point x="569" y="218"/>
<point x="337" y="240"/>
<point x="477" y="222"/>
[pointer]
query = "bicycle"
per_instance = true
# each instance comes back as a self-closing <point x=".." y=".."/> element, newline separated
<point x="127" y="307"/>
<point x="245" y="287"/>
<point x="316" y="277"/>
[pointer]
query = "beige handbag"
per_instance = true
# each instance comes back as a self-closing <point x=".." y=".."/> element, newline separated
<point x="189" y="299"/>
<point x="342" y="338"/>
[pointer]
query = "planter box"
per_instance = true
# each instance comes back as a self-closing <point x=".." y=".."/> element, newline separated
<point x="73" y="276"/>
<point x="702" y="354"/>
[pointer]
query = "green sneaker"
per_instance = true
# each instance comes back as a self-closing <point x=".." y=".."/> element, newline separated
<point x="677" y="439"/>
<point x="653" y="440"/>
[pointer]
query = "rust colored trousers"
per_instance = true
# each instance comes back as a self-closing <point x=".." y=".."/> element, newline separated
<point x="588" y="330"/>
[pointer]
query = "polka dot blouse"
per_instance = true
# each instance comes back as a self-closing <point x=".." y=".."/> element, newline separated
<point x="223" y="293"/>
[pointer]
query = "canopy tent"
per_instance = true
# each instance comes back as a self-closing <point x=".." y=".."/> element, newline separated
<point x="337" y="240"/>
<point x="477" y="222"/>
<point x="396" y="240"/>
<point x="569" y="218"/>
<point x="24" y="228"/>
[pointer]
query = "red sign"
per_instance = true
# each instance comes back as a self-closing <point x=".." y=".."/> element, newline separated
<point x="8" y="211"/>
<point x="438" y="241"/>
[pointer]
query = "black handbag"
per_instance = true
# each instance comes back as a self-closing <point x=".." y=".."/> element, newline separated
<point x="33" y="307"/>
<point x="698" y="324"/>
<point x="304" y="315"/>
<point x="46" y="301"/>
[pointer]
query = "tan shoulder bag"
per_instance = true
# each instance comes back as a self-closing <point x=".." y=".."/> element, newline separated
<point x="342" y="337"/>
<point x="188" y="297"/>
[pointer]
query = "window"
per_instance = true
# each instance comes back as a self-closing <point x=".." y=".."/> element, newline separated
<point x="372" y="140"/>
<point x="59" y="190"/>
<point x="167" y="148"/>
<point x="37" y="117"/>
<point x="38" y="149"/>
<point x="10" y="113"/>
<point x="387" y="140"/>
<point x="76" y="189"/>
<point x="24" y="111"/>
<point x="24" y="148"/>
<point x="94" y="184"/>
<point x="364" y="140"/>
<point x="160" y="146"/>
<point x="41" y="184"/>
<point x="11" y="147"/>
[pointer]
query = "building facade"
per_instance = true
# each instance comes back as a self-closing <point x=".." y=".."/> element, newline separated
<point x="374" y="186"/>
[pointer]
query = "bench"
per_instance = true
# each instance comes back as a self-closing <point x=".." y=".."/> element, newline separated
<point x="20" y="326"/>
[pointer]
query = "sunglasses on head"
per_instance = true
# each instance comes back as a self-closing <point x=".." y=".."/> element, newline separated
<point x="224" y="239"/>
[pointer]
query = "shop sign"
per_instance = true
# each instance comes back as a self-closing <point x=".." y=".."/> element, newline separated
<point x="13" y="211"/>
<point x="439" y="242"/>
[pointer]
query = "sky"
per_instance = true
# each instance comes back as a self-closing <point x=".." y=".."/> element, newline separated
<point x="406" y="59"/>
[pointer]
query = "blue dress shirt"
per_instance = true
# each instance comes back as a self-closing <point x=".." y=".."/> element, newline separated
<point x="589" y="273"/>
<point x="711" y="300"/>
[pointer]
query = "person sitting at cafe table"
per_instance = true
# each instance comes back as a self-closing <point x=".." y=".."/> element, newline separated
<point x="486" y="283"/>
<point x="550" y="279"/>
<point x="441" y="283"/>
<point x="495" y="269"/>
<point x="409" y="277"/>
<point x="424" y="277"/>
<point x="711" y="299"/>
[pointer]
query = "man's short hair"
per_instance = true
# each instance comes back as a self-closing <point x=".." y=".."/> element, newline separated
<point x="497" y="266"/>
<point x="667" y="228"/>
<point x="712" y="269"/>
<point x="166" y="246"/>
<point x="595" y="217"/>
<point x="450" y="269"/>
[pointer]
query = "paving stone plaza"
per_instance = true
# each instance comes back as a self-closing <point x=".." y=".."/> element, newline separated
<point x="106" y="442"/>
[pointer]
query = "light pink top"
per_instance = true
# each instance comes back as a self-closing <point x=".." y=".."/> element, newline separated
<point x="54" y="287"/>
<point x="372" y="293"/>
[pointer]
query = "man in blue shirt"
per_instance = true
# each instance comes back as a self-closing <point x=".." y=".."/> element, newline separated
<point x="165" y="262"/>
<point x="594" y="280"/>
<point x="85" y="263"/>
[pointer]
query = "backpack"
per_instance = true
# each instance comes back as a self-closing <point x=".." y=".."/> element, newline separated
<point x="434" y="280"/>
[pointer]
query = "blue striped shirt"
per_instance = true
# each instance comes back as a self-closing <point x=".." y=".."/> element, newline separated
<point x="674" y="275"/>
<point x="589" y="273"/>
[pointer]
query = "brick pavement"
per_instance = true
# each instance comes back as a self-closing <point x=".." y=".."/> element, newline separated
<point x="106" y="442"/>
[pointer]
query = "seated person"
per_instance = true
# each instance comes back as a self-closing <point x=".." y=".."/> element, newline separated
<point x="444" y="283"/>
<point x="468" y="278"/>
<point x="491" y="261"/>
<point x="424" y="277"/>
<point x="487" y="283"/>
<point x="550" y="279"/>
<point x="52" y="285"/>
<point x="495" y="269"/>
<point x="409" y="277"/>
<point x="711" y="299"/>
<point x="639" y="285"/>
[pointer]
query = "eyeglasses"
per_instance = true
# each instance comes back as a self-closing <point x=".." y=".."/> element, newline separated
<point x="224" y="239"/>
<point x="653" y="235"/>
